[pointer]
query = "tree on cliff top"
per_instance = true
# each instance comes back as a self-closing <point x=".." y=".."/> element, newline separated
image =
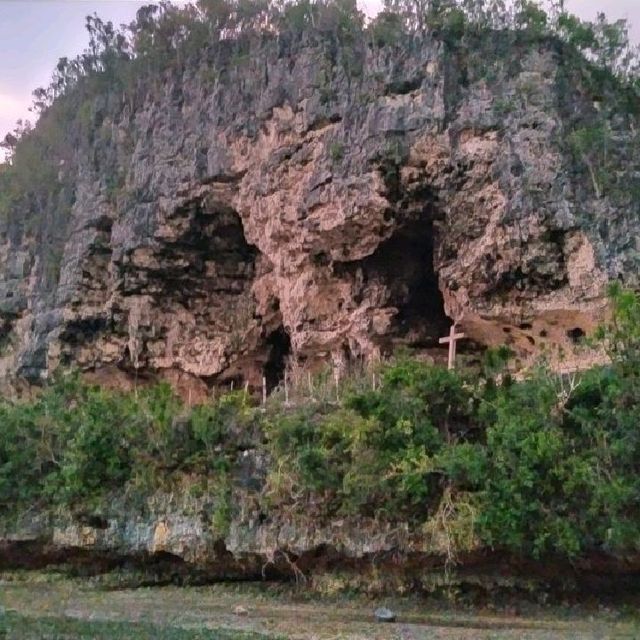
<point x="166" y="33"/>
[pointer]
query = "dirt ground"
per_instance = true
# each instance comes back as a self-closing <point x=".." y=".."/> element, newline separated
<point x="289" y="616"/>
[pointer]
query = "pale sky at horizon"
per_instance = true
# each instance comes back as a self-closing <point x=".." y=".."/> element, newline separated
<point x="34" y="34"/>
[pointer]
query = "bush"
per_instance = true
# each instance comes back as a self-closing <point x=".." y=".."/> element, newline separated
<point x="95" y="441"/>
<point x="386" y="29"/>
<point x="216" y="426"/>
<point x="336" y="151"/>
<point x="548" y="464"/>
<point x="22" y="463"/>
<point x="563" y="459"/>
<point x="526" y="506"/>
<point x="378" y="454"/>
<point x="76" y="443"/>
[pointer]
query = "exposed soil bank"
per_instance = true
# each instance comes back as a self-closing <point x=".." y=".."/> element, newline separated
<point x="481" y="577"/>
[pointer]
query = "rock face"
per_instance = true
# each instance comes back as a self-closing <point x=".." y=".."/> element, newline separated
<point x="175" y="537"/>
<point x="287" y="206"/>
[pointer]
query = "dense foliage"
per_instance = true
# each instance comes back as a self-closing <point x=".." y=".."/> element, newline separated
<point x="78" y="443"/>
<point x="165" y="35"/>
<point x="547" y="464"/>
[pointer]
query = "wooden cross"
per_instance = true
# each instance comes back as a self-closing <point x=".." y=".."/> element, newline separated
<point x="451" y="341"/>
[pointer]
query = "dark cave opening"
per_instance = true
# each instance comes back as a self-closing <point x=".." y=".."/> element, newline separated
<point x="576" y="335"/>
<point x="279" y="344"/>
<point x="200" y="270"/>
<point x="405" y="265"/>
<point x="421" y="314"/>
<point x="207" y="257"/>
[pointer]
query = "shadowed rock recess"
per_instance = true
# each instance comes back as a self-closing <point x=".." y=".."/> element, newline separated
<point x="289" y="208"/>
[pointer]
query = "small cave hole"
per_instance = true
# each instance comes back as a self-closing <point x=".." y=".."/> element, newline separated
<point x="543" y="333"/>
<point x="279" y="344"/>
<point x="127" y="360"/>
<point x="525" y="326"/>
<point x="576" y="334"/>
<point x="233" y="383"/>
<point x="220" y="549"/>
<point x="320" y="259"/>
<point x="94" y="521"/>
<point x="405" y="264"/>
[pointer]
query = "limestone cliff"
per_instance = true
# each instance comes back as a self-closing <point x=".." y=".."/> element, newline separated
<point x="288" y="205"/>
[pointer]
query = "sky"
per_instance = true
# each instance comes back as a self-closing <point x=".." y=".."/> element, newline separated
<point x="34" y="34"/>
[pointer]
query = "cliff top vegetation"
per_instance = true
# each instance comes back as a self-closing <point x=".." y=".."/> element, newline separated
<point x="167" y="36"/>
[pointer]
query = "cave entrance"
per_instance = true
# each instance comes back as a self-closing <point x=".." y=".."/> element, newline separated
<point x="408" y="260"/>
<point x="404" y="265"/>
<point x="279" y="344"/>
<point x="211" y="240"/>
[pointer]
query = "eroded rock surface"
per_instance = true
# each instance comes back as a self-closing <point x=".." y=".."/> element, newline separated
<point x="174" y="537"/>
<point x="286" y="207"/>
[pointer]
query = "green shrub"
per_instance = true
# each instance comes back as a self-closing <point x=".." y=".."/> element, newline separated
<point x="563" y="469"/>
<point x="547" y="464"/>
<point x="22" y="460"/>
<point x="386" y="29"/>
<point x="336" y="151"/>
<point x="76" y="443"/>
<point x="217" y="425"/>
<point x="525" y="503"/>
<point x="97" y="455"/>
<point x="378" y="452"/>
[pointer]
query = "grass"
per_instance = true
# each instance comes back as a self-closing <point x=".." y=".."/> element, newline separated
<point x="41" y="610"/>
<point x="16" y="627"/>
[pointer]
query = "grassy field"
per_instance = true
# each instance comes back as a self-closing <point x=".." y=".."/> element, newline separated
<point x="14" y="626"/>
<point x="39" y="608"/>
